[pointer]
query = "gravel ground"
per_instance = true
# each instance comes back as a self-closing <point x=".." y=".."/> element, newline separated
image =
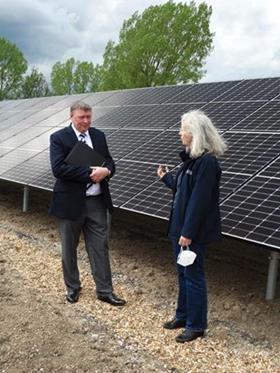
<point x="41" y="332"/>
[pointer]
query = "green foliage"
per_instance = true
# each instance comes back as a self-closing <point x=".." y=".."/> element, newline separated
<point x="166" y="44"/>
<point x="62" y="77"/>
<point x="74" y="77"/>
<point x="12" y="67"/>
<point x="86" y="77"/>
<point x="34" y="85"/>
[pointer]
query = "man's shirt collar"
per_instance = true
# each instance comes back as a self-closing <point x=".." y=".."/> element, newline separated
<point x="78" y="133"/>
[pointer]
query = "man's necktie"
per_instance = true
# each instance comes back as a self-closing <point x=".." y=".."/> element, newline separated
<point x="82" y="137"/>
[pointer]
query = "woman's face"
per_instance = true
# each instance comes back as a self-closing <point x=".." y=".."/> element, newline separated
<point x="186" y="137"/>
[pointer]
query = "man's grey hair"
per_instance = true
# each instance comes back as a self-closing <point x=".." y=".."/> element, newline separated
<point x="205" y="136"/>
<point x="79" y="105"/>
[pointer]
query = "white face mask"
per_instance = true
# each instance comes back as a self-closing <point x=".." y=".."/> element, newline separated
<point x="186" y="257"/>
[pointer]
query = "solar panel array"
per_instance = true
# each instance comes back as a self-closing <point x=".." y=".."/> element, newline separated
<point x="142" y="126"/>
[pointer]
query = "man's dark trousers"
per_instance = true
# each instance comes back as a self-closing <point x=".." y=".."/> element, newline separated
<point x="93" y="224"/>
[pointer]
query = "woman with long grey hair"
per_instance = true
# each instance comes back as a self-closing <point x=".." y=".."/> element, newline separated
<point x="195" y="217"/>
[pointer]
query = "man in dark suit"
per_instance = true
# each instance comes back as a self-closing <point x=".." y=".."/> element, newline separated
<point x="80" y="201"/>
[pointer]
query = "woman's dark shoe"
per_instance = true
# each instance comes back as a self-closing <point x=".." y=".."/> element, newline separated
<point x="174" y="324"/>
<point x="188" y="336"/>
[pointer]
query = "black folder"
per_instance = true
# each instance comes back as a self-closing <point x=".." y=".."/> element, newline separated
<point x="84" y="155"/>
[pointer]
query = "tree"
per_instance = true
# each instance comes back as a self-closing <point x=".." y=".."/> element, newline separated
<point x="75" y="77"/>
<point x="86" y="77"/>
<point x="62" y="77"/>
<point x="166" y="44"/>
<point x="12" y="67"/>
<point x="34" y="85"/>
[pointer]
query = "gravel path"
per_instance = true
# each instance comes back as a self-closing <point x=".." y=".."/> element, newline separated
<point x="40" y="332"/>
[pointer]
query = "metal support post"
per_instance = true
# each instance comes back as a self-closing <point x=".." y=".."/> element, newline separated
<point x="272" y="275"/>
<point x="25" y="198"/>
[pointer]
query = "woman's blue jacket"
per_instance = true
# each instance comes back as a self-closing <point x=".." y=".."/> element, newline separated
<point x="195" y="212"/>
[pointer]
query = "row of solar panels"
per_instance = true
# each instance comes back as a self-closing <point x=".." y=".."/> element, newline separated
<point x="142" y="131"/>
<point x="244" y="116"/>
<point x="238" y="90"/>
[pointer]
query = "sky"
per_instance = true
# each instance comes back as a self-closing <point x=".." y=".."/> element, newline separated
<point x="246" y="42"/>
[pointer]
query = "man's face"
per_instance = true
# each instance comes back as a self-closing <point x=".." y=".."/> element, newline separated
<point x="81" y="119"/>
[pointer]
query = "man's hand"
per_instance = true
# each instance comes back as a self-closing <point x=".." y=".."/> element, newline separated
<point x="184" y="241"/>
<point x="99" y="173"/>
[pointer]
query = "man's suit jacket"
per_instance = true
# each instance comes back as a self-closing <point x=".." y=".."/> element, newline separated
<point x="69" y="192"/>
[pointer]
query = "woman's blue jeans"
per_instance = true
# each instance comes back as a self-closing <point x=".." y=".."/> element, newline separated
<point x="192" y="297"/>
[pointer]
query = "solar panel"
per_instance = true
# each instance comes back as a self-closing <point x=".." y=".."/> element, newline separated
<point x="121" y="116"/>
<point x="12" y="131"/>
<point x="109" y="131"/>
<point x="64" y="124"/>
<point x="249" y="152"/>
<point x="162" y="116"/>
<point x="14" y="123"/>
<point x="4" y="150"/>
<point x="202" y="93"/>
<point x="163" y="149"/>
<point x="13" y="158"/>
<point x="130" y="179"/>
<point x="119" y="98"/>
<point x="22" y="137"/>
<point x="38" y="103"/>
<point x="25" y="104"/>
<point x="9" y="122"/>
<point x="20" y="128"/>
<point x="99" y="111"/>
<point x="4" y="118"/>
<point x="266" y="118"/>
<point x="157" y="95"/>
<point x="155" y="201"/>
<point x="45" y="181"/>
<point x="272" y="170"/>
<point x="97" y="98"/>
<point x="230" y="182"/>
<point x="47" y="102"/>
<point x="254" y="212"/>
<point x="253" y="89"/>
<point x="125" y="141"/>
<point x="66" y="101"/>
<point x="30" y="170"/>
<point x="8" y="114"/>
<point x="58" y="117"/>
<point x="142" y="125"/>
<point x="225" y="115"/>
<point x="41" y="142"/>
<point x="37" y="117"/>
<point x="6" y="104"/>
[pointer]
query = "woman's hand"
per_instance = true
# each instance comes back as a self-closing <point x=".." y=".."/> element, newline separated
<point x="161" y="171"/>
<point x="184" y="241"/>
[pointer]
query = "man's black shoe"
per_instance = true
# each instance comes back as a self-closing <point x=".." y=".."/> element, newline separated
<point x="188" y="336"/>
<point x="174" y="324"/>
<point x="72" y="295"/>
<point x="112" y="299"/>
